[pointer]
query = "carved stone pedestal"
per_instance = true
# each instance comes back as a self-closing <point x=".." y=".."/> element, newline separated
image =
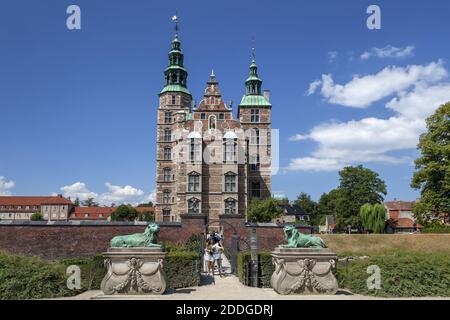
<point x="304" y="271"/>
<point x="134" y="271"/>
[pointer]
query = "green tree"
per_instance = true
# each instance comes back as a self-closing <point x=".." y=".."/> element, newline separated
<point x="373" y="217"/>
<point x="36" y="217"/>
<point x="148" y="204"/>
<point x="124" y="213"/>
<point x="358" y="186"/>
<point x="90" y="203"/>
<point x="432" y="176"/>
<point x="77" y="203"/>
<point x="305" y="202"/>
<point x="147" y="216"/>
<point x="263" y="210"/>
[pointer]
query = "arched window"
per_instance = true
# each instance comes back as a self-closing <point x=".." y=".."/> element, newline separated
<point x="167" y="135"/>
<point x="254" y="136"/>
<point x="167" y="175"/>
<point x="229" y="151"/>
<point x="195" y="150"/>
<point x="193" y="206"/>
<point x="212" y="123"/>
<point x="230" y="206"/>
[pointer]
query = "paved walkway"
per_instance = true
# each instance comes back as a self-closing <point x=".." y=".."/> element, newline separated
<point x="226" y="287"/>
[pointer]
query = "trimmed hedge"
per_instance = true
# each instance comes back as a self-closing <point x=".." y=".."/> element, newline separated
<point x="406" y="274"/>
<point x="436" y="228"/>
<point x="34" y="278"/>
<point x="31" y="278"/>
<point x="403" y="274"/>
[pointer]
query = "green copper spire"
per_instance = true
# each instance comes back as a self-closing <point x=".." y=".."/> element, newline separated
<point x="253" y="95"/>
<point x="176" y="75"/>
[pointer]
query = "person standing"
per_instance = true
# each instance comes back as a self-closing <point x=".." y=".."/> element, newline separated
<point x="209" y="258"/>
<point x="217" y="256"/>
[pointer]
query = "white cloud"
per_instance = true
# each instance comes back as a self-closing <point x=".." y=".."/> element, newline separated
<point x="373" y="139"/>
<point x="332" y="56"/>
<point x="315" y="164"/>
<point x="299" y="137"/>
<point x="78" y="190"/>
<point x="114" y="194"/>
<point x="5" y="186"/>
<point x="362" y="92"/>
<point x="118" y="194"/>
<point x="388" y="52"/>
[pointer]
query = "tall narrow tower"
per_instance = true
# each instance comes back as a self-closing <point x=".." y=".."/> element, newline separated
<point x="254" y="116"/>
<point x="174" y="106"/>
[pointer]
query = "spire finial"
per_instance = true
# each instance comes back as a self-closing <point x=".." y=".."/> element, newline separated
<point x="176" y="20"/>
<point x="253" y="49"/>
<point x="212" y="73"/>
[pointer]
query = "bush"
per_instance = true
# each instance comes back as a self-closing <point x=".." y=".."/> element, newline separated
<point x="182" y="269"/>
<point x="36" y="217"/>
<point x="92" y="271"/>
<point x="436" y="227"/>
<point x="402" y="275"/>
<point x="31" y="278"/>
<point x="147" y="216"/>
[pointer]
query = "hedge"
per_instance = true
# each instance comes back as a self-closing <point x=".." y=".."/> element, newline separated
<point x="403" y="274"/>
<point x="34" y="278"/>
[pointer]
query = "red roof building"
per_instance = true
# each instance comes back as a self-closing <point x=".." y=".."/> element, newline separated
<point x="400" y="217"/>
<point x="91" y="213"/>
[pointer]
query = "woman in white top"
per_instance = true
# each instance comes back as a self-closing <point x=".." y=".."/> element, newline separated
<point x="217" y="250"/>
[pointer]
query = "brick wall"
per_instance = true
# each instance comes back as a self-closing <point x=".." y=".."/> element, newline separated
<point x="76" y="239"/>
<point x="70" y="240"/>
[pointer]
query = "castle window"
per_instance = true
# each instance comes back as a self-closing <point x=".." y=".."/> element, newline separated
<point x="212" y="123"/>
<point x="255" y="189"/>
<point x="230" y="150"/>
<point x="254" y="116"/>
<point x="167" y="154"/>
<point x="166" y="196"/>
<point x="167" y="175"/>
<point x="174" y="98"/>
<point x="194" y="182"/>
<point x="193" y="206"/>
<point x="230" y="206"/>
<point x="221" y="116"/>
<point x="194" y="150"/>
<point x="202" y="116"/>
<point x="168" y="117"/>
<point x="230" y="182"/>
<point x="254" y="162"/>
<point x="167" y="135"/>
<point x="254" y="136"/>
<point x="166" y="215"/>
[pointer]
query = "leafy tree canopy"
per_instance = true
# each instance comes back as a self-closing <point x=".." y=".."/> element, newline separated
<point x="124" y="213"/>
<point x="432" y="176"/>
<point x="263" y="210"/>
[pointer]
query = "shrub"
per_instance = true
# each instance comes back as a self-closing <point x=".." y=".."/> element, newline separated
<point x="182" y="269"/>
<point x="436" y="227"/>
<point x="147" y="216"/>
<point x="31" y="278"/>
<point x="92" y="271"/>
<point x="402" y="275"/>
<point x="36" y="217"/>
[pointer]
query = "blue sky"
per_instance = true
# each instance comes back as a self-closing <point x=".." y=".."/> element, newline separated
<point x="78" y="108"/>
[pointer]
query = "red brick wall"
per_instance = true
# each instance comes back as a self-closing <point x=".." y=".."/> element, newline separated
<point x="54" y="242"/>
<point x="68" y="240"/>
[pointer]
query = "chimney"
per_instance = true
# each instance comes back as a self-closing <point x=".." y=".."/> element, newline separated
<point x="267" y="95"/>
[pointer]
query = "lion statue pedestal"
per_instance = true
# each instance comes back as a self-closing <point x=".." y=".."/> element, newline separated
<point x="303" y="266"/>
<point x="135" y="265"/>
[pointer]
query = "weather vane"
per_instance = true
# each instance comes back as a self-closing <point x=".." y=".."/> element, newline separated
<point x="253" y="48"/>
<point x="176" y="19"/>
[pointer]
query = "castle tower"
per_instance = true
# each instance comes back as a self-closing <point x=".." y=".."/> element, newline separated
<point x="254" y="116"/>
<point x="174" y="107"/>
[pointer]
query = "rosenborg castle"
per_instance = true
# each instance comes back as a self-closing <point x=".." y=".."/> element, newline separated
<point x="208" y="161"/>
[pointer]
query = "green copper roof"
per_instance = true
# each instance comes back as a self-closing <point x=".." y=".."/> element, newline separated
<point x="175" y="88"/>
<point x="253" y="78"/>
<point x="254" y="101"/>
<point x="174" y="67"/>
